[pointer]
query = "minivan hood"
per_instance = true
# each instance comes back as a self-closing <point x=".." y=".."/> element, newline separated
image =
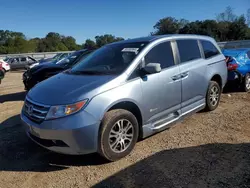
<point x="67" y="88"/>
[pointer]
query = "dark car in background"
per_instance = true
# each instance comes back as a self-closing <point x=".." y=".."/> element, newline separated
<point x="43" y="71"/>
<point x="54" y="58"/>
<point x="22" y="62"/>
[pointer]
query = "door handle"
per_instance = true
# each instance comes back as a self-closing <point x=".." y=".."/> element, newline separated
<point x="176" y="77"/>
<point x="184" y="75"/>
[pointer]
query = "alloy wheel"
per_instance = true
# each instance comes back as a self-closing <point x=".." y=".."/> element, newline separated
<point x="214" y="96"/>
<point x="121" y="135"/>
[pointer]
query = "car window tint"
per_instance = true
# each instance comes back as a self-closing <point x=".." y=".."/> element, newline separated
<point x="23" y="59"/>
<point x="188" y="50"/>
<point x="162" y="53"/>
<point x="209" y="49"/>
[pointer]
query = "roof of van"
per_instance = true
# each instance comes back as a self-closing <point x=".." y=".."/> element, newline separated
<point x="174" y="36"/>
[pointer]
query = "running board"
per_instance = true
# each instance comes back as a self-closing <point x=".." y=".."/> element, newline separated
<point x="163" y="123"/>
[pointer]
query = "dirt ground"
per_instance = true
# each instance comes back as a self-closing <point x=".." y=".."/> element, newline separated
<point x="205" y="150"/>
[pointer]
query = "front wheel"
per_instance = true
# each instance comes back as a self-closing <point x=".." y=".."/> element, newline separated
<point x="213" y="96"/>
<point x="118" y="134"/>
<point x="246" y="83"/>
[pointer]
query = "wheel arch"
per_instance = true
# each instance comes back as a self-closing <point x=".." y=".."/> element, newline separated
<point x="130" y="106"/>
<point x="217" y="78"/>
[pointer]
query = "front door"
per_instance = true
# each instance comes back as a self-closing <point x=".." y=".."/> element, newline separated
<point x="14" y="63"/>
<point x="161" y="91"/>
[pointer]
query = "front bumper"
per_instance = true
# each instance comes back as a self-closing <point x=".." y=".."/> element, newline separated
<point x="28" y="81"/>
<point x="75" y="135"/>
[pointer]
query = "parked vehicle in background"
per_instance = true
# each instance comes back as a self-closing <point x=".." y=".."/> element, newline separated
<point x="22" y="62"/>
<point x="55" y="58"/>
<point x="238" y="64"/>
<point x="124" y="91"/>
<point x="5" y="66"/>
<point x="59" y="58"/>
<point x="2" y="73"/>
<point x="45" y="70"/>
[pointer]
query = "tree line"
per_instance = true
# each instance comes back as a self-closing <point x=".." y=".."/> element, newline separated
<point x="225" y="27"/>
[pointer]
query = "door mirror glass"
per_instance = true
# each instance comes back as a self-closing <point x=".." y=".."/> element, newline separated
<point x="152" y="68"/>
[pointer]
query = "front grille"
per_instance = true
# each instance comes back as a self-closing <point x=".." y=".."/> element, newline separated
<point x="34" y="111"/>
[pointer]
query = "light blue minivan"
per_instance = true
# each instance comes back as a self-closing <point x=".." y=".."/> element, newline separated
<point x="125" y="91"/>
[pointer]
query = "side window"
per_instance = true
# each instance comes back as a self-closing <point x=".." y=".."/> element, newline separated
<point x="23" y="59"/>
<point x="209" y="49"/>
<point x="248" y="54"/>
<point x="162" y="53"/>
<point x="188" y="50"/>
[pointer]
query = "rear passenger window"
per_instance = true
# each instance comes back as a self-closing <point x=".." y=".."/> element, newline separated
<point x="188" y="50"/>
<point x="23" y="59"/>
<point x="162" y="53"/>
<point x="209" y="49"/>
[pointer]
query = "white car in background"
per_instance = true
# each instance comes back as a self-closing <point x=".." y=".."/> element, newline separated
<point x="5" y="65"/>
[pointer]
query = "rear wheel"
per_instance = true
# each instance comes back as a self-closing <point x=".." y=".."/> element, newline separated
<point x="118" y="134"/>
<point x="246" y="83"/>
<point x="213" y="96"/>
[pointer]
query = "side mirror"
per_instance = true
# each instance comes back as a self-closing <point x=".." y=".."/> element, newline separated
<point x="152" y="68"/>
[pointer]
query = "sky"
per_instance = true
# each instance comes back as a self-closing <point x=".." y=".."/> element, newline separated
<point x="85" y="19"/>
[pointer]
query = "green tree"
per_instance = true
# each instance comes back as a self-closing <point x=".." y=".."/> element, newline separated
<point x="106" y="39"/>
<point x="89" y="44"/>
<point x="238" y="29"/>
<point x="168" y="25"/>
<point x="70" y="43"/>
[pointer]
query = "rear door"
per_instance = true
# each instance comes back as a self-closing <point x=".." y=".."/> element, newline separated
<point x="192" y="71"/>
<point x="14" y="63"/>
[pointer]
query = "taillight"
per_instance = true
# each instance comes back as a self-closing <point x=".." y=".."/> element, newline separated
<point x="231" y="66"/>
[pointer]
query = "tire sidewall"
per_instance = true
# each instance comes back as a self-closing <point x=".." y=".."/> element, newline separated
<point x="245" y="81"/>
<point x="209" y="106"/>
<point x="106" y="151"/>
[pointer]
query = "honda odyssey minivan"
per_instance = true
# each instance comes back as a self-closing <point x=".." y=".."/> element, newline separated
<point x="123" y="92"/>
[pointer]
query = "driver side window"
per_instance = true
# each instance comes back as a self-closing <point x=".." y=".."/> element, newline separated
<point x="162" y="53"/>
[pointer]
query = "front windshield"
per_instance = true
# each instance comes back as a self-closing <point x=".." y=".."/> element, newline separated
<point x="110" y="59"/>
<point x="70" y="59"/>
<point x="6" y="59"/>
<point x="57" y="56"/>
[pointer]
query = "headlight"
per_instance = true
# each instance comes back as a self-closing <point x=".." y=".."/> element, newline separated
<point x="65" y="110"/>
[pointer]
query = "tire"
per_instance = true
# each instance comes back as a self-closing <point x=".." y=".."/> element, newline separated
<point x="213" y="96"/>
<point x="109" y="123"/>
<point x="246" y="83"/>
